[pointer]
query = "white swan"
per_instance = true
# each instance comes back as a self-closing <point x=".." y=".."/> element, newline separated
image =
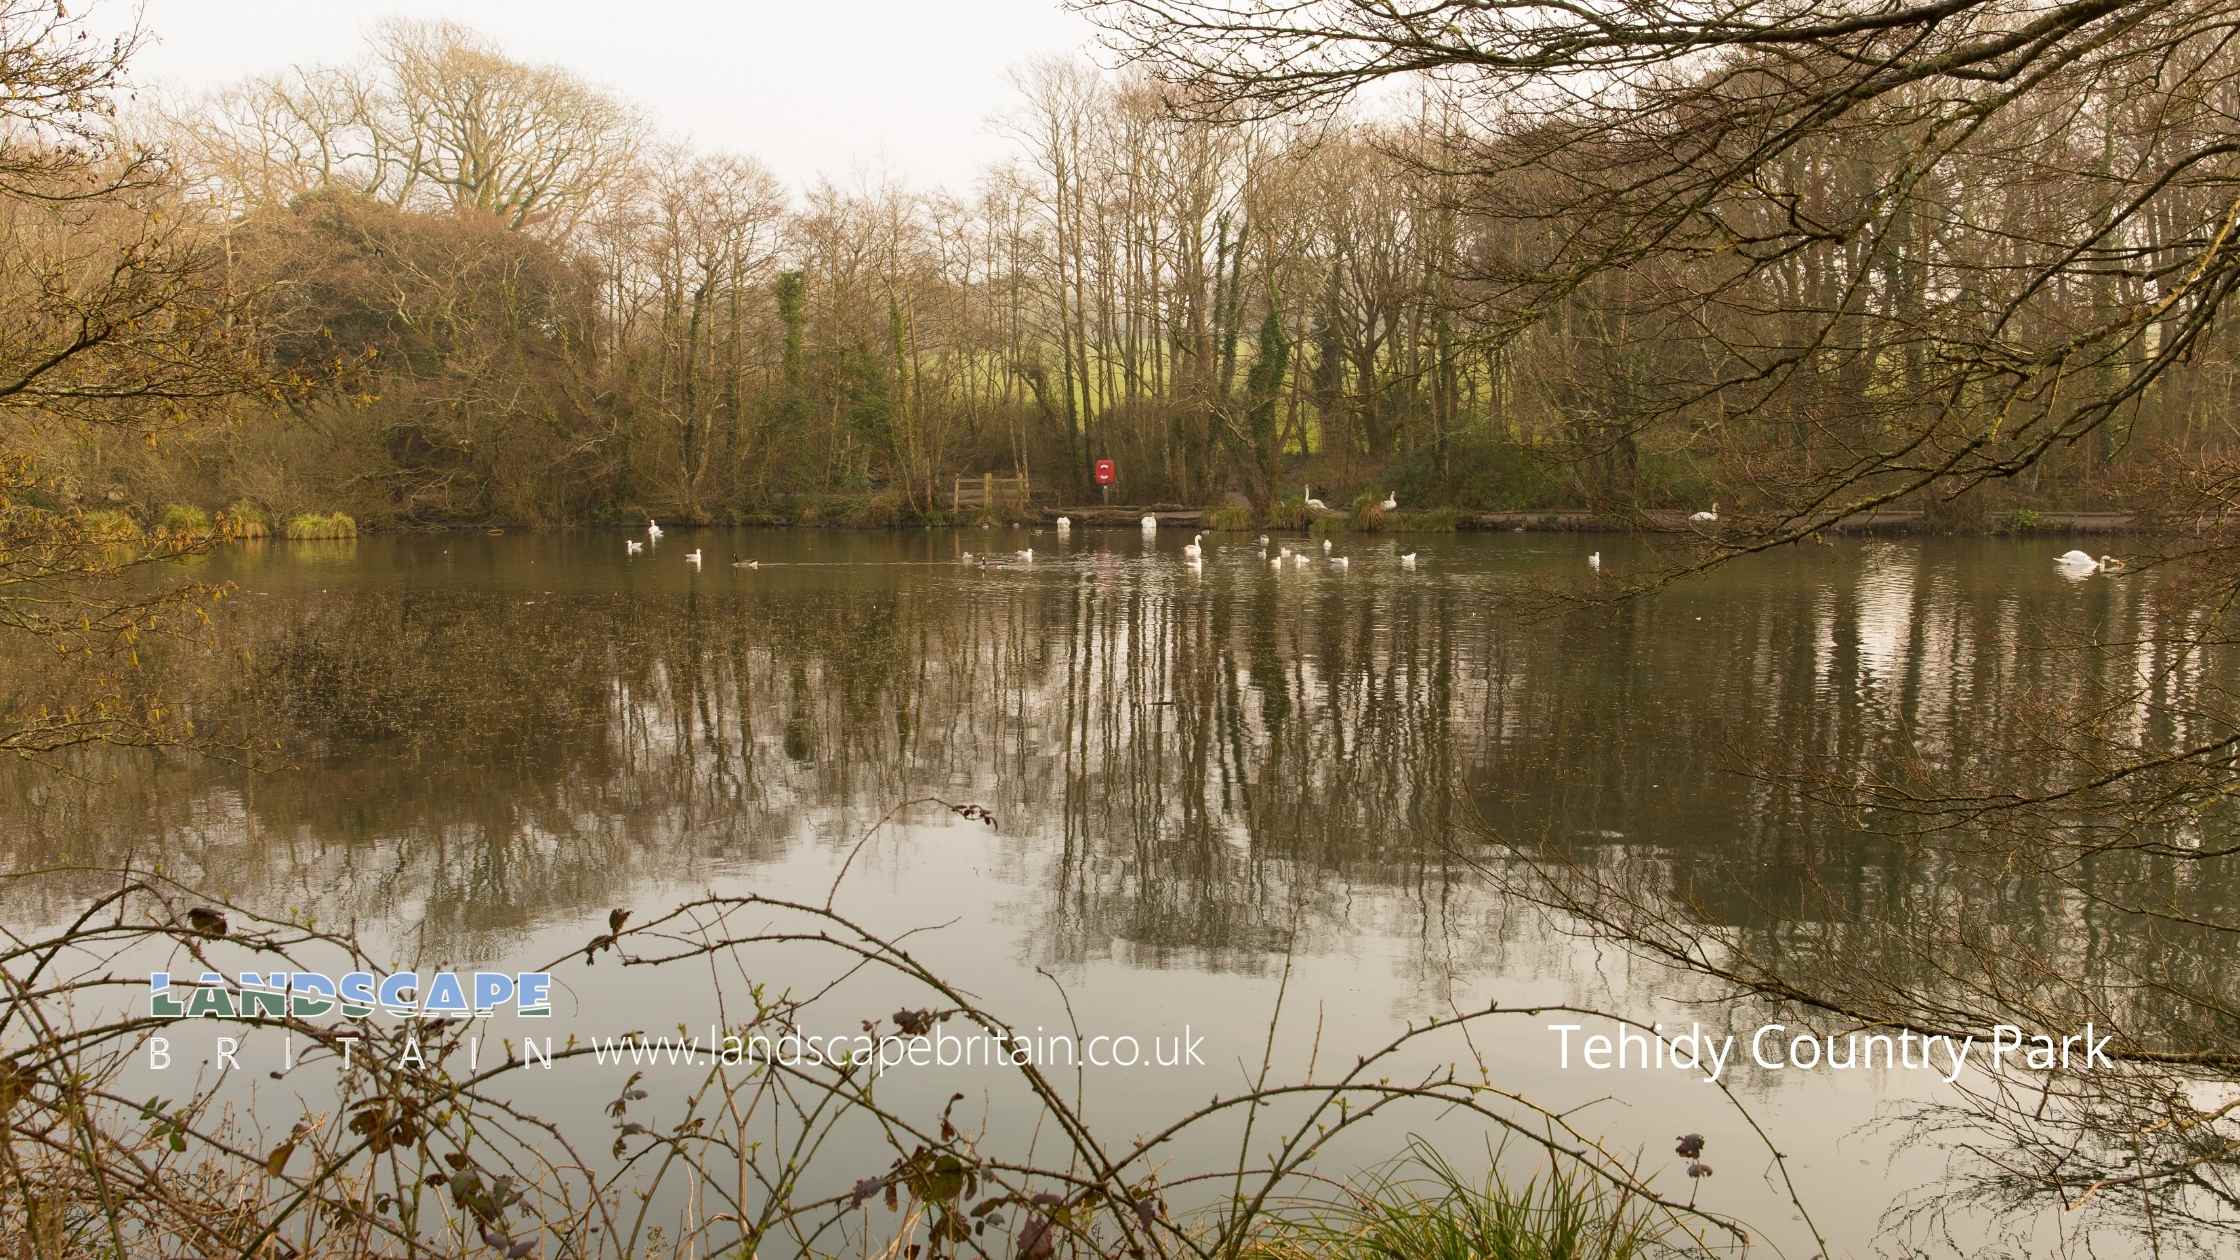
<point x="1391" y="501"/>
<point x="692" y="558"/>
<point x="1313" y="503"/>
<point x="1299" y="558"/>
<point x="1326" y="546"/>
<point x="746" y="564"/>
<point x="1594" y="561"/>
<point x="1027" y="555"/>
<point x="1150" y="522"/>
<point x="1706" y="518"/>
<point x="653" y="528"/>
<point x="2079" y="560"/>
<point x="1340" y="562"/>
<point x="1407" y="559"/>
<point x="1283" y="553"/>
<point x="1276" y="562"/>
<point x="1065" y="523"/>
<point x="1263" y="541"/>
<point x="1191" y="550"/>
<point x="631" y="546"/>
<point x="967" y="558"/>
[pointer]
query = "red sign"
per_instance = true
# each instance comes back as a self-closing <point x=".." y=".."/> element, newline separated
<point x="1106" y="472"/>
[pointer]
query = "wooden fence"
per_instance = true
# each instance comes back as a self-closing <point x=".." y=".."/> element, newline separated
<point x="987" y="490"/>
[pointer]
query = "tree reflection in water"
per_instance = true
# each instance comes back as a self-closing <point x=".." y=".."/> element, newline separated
<point x="1213" y="766"/>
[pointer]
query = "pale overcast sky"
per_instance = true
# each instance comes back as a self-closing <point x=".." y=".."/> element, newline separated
<point x="904" y="87"/>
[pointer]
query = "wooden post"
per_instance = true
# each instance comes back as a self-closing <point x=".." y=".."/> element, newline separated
<point x="987" y="490"/>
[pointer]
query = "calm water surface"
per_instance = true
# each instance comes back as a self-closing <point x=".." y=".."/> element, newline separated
<point x="1206" y="785"/>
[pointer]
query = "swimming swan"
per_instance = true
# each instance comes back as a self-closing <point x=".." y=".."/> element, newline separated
<point x="692" y="558"/>
<point x="631" y="546"/>
<point x="2079" y="560"/>
<point x="1150" y="522"/>
<point x="1191" y="550"/>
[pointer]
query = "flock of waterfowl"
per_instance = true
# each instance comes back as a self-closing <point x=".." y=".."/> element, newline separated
<point x="2073" y="562"/>
<point x="1195" y="551"/>
<point x="632" y="547"/>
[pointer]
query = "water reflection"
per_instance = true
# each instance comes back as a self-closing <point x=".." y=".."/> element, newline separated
<point x="1190" y="771"/>
<point x="489" y="731"/>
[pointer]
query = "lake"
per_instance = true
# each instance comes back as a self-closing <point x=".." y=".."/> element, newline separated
<point x="1209" y="789"/>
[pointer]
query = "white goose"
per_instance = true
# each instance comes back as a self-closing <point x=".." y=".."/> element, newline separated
<point x="631" y="546"/>
<point x="1706" y="518"/>
<point x="1192" y="550"/>
<point x="1313" y="503"/>
<point x="1391" y="501"/>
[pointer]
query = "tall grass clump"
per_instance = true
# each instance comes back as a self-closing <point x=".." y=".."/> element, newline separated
<point x="1231" y="517"/>
<point x="112" y="525"/>
<point x="183" y="521"/>
<point x="1424" y="1209"/>
<point x="1288" y="514"/>
<point x="243" y="519"/>
<point x="1327" y="523"/>
<point x="314" y="525"/>
<point x="1369" y="515"/>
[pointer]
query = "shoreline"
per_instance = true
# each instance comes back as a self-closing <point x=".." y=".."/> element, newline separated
<point x="1650" y="521"/>
<point x="1654" y="521"/>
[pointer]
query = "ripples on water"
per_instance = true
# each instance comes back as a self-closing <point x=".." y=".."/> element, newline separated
<point x="1195" y="774"/>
